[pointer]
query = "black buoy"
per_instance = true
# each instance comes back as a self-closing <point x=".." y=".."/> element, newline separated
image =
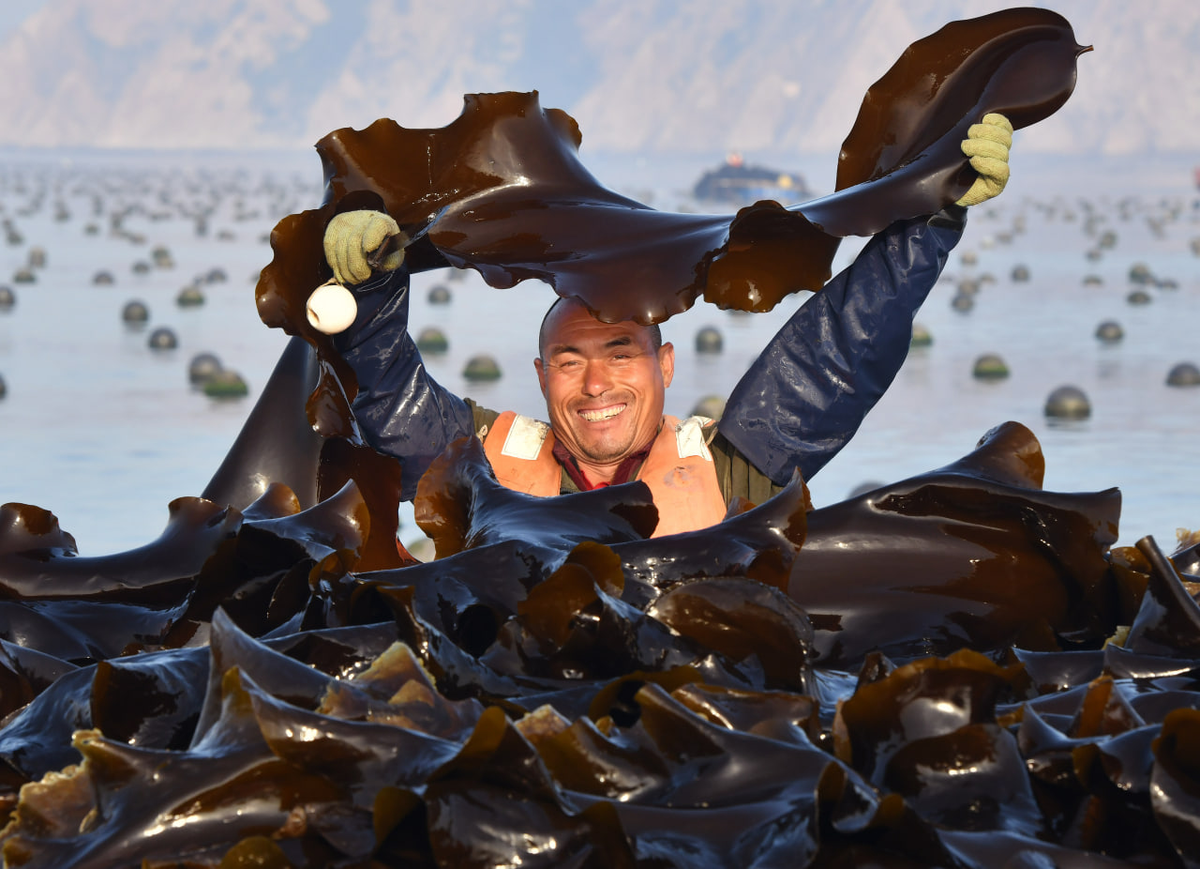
<point x="203" y="367"/>
<point x="482" y="367"/>
<point x="962" y="302"/>
<point x="135" y="312"/>
<point x="1139" y="273"/>
<point x="439" y="295"/>
<point x="990" y="366"/>
<point x="708" y="340"/>
<point x="1138" y="297"/>
<point x="1068" y="402"/>
<point x="921" y="336"/>
<point x="163" y="338"/>
<point x="190" y="296"/>
<point x="103" y="278"/>
<point x="1110" y="332"/>
<point x="1184" y="374"/>
<point x="432" y="340"/>
<point x="1020" y="273"/>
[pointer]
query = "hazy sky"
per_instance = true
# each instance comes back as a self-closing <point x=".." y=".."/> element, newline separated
<point x="13" y="12"/>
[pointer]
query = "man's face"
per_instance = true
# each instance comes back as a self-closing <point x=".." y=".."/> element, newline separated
<point x="604" y="385"/>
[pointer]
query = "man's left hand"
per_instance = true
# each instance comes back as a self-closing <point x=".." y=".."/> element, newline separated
<point x="987" y="145"/>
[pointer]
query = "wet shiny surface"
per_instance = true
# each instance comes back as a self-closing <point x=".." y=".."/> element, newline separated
<point x="501" y="189"/>
<point x="915" y="677"/>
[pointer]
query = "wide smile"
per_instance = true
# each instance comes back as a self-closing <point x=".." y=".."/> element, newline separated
<point x="601" y="414"/>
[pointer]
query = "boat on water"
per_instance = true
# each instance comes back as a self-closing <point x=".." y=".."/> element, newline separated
<point x="739" y="183"/>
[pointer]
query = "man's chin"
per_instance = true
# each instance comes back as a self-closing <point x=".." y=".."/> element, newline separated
<point x="601" y="454"/>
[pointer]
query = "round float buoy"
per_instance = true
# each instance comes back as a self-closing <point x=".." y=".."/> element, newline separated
<point x="7" y="299"/>
<point x="921" y="336"/>
<point x="24" y="276"/>
<point x="432" y="340"/>
<point x="962" y="302"/>
<point x="331" y="308"/>
<point x="1068" y="402"/>
<point x="162" y="258"/>
<point x="37" y="258"/>
<point x="225" y="384"/>
<point x="163" y="338"/>
<point x="103" y="279"/>
<point x="990" y="366"/>
<point x="135" y="312"/>
<point x="482" y="367"/>
<point x="439" y="295"/>
<point x="203" y="367"/>
<point x="190" y="296"/>
<point x="711" y="406"/>
<point x="1184" y="374"/>
<point x="1020" y="273"/>
<point x="1139" y="297"/>
<point x="1139" y="273"/>
<point x="1110" y="332"/>
<point x="708" y="340"/>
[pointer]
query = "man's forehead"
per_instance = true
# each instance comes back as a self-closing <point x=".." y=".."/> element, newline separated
<point x="570" y="321"/>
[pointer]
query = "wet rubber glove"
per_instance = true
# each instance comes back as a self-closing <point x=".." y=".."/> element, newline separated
<point x="987" y="145"/>
<point x="351" y="239"/>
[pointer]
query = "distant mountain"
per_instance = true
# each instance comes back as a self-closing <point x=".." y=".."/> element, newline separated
<point x="653" y="76"/>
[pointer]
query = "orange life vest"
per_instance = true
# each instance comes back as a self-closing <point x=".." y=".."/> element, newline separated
<point x="679" y="468"/>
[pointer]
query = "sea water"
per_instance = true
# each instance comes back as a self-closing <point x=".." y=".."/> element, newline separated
<point x="104" y="431"/>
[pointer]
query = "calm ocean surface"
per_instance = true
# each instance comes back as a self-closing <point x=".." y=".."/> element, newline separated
<point x="103" y="431"/>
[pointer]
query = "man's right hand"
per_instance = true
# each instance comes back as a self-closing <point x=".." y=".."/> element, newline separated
<point x="350" y="239"/>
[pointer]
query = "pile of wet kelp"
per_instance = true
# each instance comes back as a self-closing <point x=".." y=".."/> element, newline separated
<point x="555" y="689"/>
<point x="953" y="670"/>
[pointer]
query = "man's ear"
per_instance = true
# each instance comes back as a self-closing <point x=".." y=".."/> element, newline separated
<point x="666" y="361"/>
<point x="541" y="373"/>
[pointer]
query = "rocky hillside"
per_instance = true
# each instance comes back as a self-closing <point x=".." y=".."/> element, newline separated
<point x="654" y="76"/>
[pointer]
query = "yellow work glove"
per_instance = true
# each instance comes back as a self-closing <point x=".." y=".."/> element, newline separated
<point x="987" y="145"/>
<point x="353" y="236"/>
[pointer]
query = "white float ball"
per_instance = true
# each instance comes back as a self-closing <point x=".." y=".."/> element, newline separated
<point x="331" y="308"/>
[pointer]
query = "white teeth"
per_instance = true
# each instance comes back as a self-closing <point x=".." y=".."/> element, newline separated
<point x="597" y="415"/>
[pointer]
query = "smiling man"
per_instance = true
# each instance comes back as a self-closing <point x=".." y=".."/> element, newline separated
<point x="605" y="383"/>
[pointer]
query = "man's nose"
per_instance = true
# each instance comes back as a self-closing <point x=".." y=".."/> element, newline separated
<point x="597" y="379"/>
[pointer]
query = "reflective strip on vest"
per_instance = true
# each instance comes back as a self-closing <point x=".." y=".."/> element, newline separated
<point x="679" y="469"/>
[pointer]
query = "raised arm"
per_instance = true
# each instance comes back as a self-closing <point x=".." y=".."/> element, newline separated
<point x="400" y="409"/>
<point x="812" y="386"/>
<point x="814" y="383"/>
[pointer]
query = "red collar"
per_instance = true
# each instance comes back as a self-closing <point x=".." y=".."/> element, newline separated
<point x="624" y="474"/>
